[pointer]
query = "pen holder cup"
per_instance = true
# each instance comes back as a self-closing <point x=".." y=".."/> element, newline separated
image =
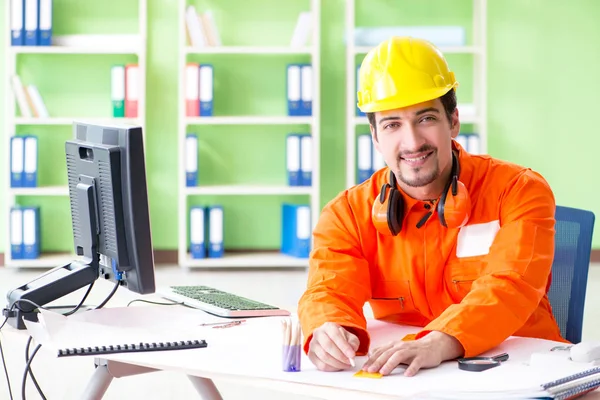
<point x="291" y="356"/>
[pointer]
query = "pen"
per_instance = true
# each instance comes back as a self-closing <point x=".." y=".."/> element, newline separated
<point x="343" y="332"/>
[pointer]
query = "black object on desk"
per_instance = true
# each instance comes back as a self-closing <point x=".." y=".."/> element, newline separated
<point x="478" y="364"/>
<point x="132" y="348"/>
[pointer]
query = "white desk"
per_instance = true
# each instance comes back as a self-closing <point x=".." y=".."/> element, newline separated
<point x="251" y="354"/>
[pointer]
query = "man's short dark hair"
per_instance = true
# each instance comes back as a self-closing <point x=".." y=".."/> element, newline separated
<point x="448" y="101"/>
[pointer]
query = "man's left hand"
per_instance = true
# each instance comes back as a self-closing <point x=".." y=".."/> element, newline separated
<point x="427" y="352"/>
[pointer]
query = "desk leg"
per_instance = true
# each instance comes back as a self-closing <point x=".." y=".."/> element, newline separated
<point x="104" y="374"/>
<point x="206" y="388"/>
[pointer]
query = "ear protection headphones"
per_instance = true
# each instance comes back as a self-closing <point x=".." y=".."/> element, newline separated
<point x="453" y="207"/>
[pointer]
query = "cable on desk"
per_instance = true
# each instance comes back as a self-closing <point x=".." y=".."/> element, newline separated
<point x="155" y="302"/>
<point x="27" y="368"/>
<point x="4" y="364"/>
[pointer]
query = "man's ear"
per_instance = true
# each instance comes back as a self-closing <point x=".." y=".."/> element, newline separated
<point x="455" y="124"/>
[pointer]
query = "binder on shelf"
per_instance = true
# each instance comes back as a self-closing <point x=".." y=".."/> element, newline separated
<point x="215" y="231"/>
<point x="358" y="112"/>
<point x="30" y="176"/>
<point x="36" y="102"/>
<point x="31" y="23"/>
<point x="192" y="90"/>
<point x="17" y="22"/>
<point x="191" y="160"/>
<point x="45" y="22"/>
<point x="306" y="94"/>
<point x="21" y="97"/>
<point x="31" y="232"/>
<point x="206" y="90"/>
<point x="132" y="93"/>
<point x="16" y="233"/>
<point x="365" y="157"/>
<point x="17" y="161"/>
<point x="117" y="90"/>
<point x="194" y="27"/>
<point x="210" y="28"/>
<point x="471" y="142"/>
<point x="306" y="160"/>
<point x="197" y="232"/>
<point x="295" y="230"/>
<point x="293" y="159"/>
<point x="378" y="161"/>
<point x="302" y="30"/>
<point x="293" y="90"/>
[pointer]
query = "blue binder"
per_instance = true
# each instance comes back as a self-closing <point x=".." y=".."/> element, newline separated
<point x="17" y="22"/>
<point x="292" y="151"/>
<point x="296" y="230"/>
<point x="306" y="160"/>
<point x="45" y="22"/>
<point x="206" y="79"/>
<point x="293" y="90"/>
<point x="31" y="232"/>
<point x="17" y="161"/>
<point x="191" y="160"/>
<point x="30" y="168"/>
<point x="32" y="20"/>
<point x="306" y="89"/>
<point x="198" y="231"/>
<point x="364" y="156"/>
<point x="215" y="231"/>
<point x="16" y="233"/>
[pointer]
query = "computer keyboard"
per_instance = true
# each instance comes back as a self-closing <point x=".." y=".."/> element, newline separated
<point x="218" y="302"/>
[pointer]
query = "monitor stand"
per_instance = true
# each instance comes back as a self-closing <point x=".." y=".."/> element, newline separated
<point x="63" y="279"/>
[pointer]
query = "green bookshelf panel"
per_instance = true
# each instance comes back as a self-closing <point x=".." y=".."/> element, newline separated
<point x="80" y="85"/>
<point x="247" y="23"/>
<point x="71" y="17"/>
<point x="250" y="222"/>
<point x="240" y="77"/>
<point x="52" y="164"/>
<point x="55" y="221"/>
<point x="229" y="155"/>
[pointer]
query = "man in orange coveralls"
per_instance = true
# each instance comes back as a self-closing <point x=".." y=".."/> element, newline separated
<point x="459" y="244"/>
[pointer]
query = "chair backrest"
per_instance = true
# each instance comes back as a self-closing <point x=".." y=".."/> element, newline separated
<point x="573" y="245"/>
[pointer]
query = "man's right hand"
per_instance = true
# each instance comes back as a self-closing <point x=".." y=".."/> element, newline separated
<point x="332" y="347"/>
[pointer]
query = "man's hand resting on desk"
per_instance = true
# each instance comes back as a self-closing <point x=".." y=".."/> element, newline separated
<point x="427" y="352"/>
<point x="332" y="347"/>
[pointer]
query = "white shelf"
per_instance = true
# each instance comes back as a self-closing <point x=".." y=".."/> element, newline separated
<point x="44" y="261"/>
<point x="69" y="121"/>
<point x="188" y="54"/>
<point x="248" y="190"/>
<point x="134" y="50"/>
<point x="249" y="120"/>
<point x="41" y="191"/>
<point x="248" y="50"/>
<point x="246" y="260"/>
<point x="445" y="50"/>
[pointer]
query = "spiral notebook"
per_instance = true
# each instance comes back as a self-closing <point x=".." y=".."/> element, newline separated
<point x="567" y="388"/>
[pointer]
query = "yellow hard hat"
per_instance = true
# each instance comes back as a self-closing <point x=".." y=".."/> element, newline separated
<point x="400" y="72"/>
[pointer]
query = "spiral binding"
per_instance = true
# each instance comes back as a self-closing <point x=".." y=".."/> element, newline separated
<point x="579" y="390"/>
<point x="571" y="378"/>
<point x="131" y="348"/>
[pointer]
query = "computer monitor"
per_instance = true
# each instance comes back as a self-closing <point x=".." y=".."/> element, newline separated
<point x="110" y="218"/>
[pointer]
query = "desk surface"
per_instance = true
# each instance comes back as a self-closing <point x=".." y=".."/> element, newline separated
<point x="251" y="353"/>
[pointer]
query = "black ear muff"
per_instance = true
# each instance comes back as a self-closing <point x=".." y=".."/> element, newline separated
<point x="453" y="181"/>
<point x="395" y="211"/>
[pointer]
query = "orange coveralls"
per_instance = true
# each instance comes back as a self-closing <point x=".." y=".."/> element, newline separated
<point x="495" y="287"/>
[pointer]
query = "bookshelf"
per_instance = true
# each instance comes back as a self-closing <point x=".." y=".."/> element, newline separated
<point x="75" y="87"/>
<point x="265" y="119"/>
<point x="470" y="57"/>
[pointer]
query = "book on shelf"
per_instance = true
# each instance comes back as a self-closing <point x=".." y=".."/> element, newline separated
<point x="201" y="29"/>
<point x="29" y="99"/>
